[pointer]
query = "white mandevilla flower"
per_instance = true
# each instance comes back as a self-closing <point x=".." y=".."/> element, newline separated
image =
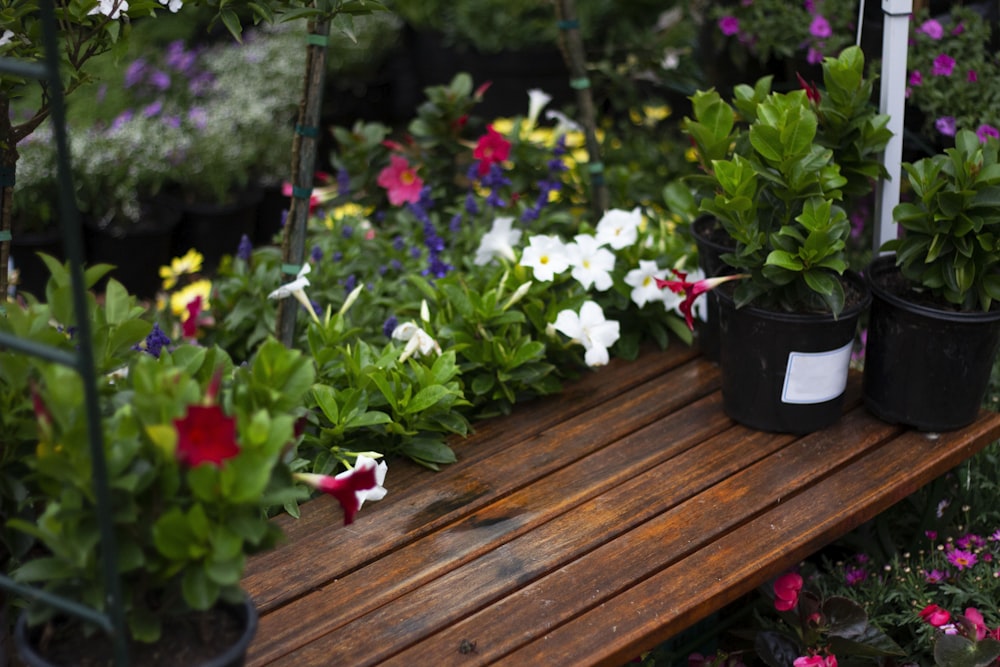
<point x="297" y="289"/>
<point x="111" y="8"/>
<point x="498" y="242"/>
<point x="590" y="329"/>
<point x="592" y="263"/>
<point x="378" y="491"/>
<point x="619" y="228"/>
<point x="564" y="123"/>
<point x="419" y="343"/>
<point x="545" y="256"/>
<point x="6" y="38"/>
<point x="537" y="99"/>
<point x="173" y="5"/>
<point x="643" y="282"/>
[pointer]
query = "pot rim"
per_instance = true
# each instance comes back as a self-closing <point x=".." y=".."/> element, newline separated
<point x="784" y="316"/>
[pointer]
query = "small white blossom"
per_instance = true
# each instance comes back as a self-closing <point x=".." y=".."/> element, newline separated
<point x="537" y="99"/>
<point x="111" y="8"/>
<point x="643" y="282"/>
<point x="6" y="38"/>
<point x="619" y="228"/>
<point x="590" y="329"/>
<point x="173" y="5"/>
<point x="498" y="242"/>
<point x="564" y="123"/>
<point x="592" y="263"/>
<point x="546" y="256"/>
<point x="418" y="342"/>
<point x="297" y="289"/>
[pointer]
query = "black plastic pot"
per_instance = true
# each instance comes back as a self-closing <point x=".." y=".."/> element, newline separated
<point x="925" y="367"/>
<point x="25" y="640"/>
<point x="786" y="372"/>
<point x="710" y="251"/>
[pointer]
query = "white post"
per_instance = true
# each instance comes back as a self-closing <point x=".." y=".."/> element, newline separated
<point x="895" y="35"/>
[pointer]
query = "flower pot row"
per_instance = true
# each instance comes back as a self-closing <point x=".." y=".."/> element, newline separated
<point x="927" y="364"/>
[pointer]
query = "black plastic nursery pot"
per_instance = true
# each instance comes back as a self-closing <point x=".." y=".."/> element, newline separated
<point x="925" y="367"/>
<point x="709" y="239"/>
<point x="245" y="615"/>
<point x="786" y="372"/>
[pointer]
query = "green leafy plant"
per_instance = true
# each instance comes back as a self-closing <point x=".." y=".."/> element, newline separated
<point x="950" y="246"/>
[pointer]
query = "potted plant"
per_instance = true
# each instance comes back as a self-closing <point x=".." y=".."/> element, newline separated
<point x="788" y="325"/>
<point x="935" y="324"/>
<point x="198" y="451"/>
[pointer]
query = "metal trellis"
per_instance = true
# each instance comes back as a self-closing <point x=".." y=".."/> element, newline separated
<point x="112" y="621"/>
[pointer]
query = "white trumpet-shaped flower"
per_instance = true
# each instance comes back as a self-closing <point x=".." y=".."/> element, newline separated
<point x="419" y="343"/>
<point x="498" y="242"/>
<point x="590" y="329"/>
<point x="537" y="100"/>
<point x="297" y="289"/>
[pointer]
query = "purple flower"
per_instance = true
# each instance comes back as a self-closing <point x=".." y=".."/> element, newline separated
<point x="943" y="65"/>
<point x="946" y="125"/>
<point x="932" y="29"/>
<point x="316" y="254"/>
<point x="854" y="575"/>
<point x="820" y="27"/>
<point x="198" y="117"/>
<point x="155" y="341"/>
<point x="123" y="118"/>
<point x="916" y="78"/>
<point x="814" y="56"/>
<point x="135" y="72"/>
<point x="153" y="109"/>
<point x="729" y="25"/>
<point x="972" y="76"/>
<point x="961" y="558"/>
<point x="985" y="131"/>
<point x="245" y="248"/>
<point x="160" y="79"/>
<point x="390" y="325"/>
<point x="343" y="182"/>
<point x="935" y="576"/>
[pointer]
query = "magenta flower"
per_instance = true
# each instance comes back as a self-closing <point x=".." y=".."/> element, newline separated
<point x="932" y="29"/>
<point x="972" y="76"/>
<point x="935" y="615"/>
<point x="946" y="125"/>
<point x="985" y="131"/>
<point x="729" y="25"/>
<point x="943" y="65"/>
<point x="351" y="488"/>
<point x="692" y="291"/>
<point x="820" y="27"/>
<point x="786" y="591"/>
<point x="814" y="56"/>
<point x="916" y="78"/>
<point x="854" y="575"/>
<point x="935" y="576"/>
<point x="401" y="180"/>
<point x="961" y="558"/>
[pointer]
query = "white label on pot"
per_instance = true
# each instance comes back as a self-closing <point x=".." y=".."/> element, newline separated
<point x="816" y="377"/>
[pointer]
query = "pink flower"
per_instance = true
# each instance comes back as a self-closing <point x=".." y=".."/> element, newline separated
<point x="401" y="180"/>
<point x="935" y="615"/>
<point x="935" y="576"/>
<point x="816" y="661"/>
<point x="976" y="619"/>
<point x="961" y="559"/>
<point x="729" y="25"/>
<point x="491" y="149"/>
<point x="786" y="591"/>
<point x="943" y="65"/>
<point x="205" y="435"/>
<point x="692" y="291"/>
<point x="972" y="76"/>
<point x="916" y="78"/>
<point x="932" y="29"/>
<point x="820" y="27"/>
<point x="812" y="91"/>
<point x="946" y="125"/>
<point x="350" y="488"/>
<point x="814" y="56"/>
<point x="985" y="131"/>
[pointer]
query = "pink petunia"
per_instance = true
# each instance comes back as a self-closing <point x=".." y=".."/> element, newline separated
<point x="916" y="78"/>
<point x="946" y="125"/>
<point x="401" y="180"/>
<point x="985" y="131"/>
<point x="932" y="29"/>
<point x="943" y="65"/>
<point x="729" y="25"/>
<point x="820" y="27"/>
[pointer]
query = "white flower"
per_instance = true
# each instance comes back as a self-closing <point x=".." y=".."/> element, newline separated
<point x="498" y="242"/>
<point x="297" y="289"/>
<point x="418" y="342"/>
<point x="643" y="282"/>
<point x="546" y="256"/>
<point x="619" y="228"/>
<point x="111" y="8"/>
<point x="537" y="99"/>
<point x="564" y="123"/>
<point x="592" y="264"/>
<point x="173" y="5"/>
<point x="590" y="329"/>
<point x="6" y="38"/>
<point x="378" y="491"/>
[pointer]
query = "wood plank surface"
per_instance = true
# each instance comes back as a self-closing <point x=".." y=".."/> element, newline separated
<point x="584" y="528"/>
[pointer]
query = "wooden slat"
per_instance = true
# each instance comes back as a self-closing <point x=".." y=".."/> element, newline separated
<point x="582" y="529"/>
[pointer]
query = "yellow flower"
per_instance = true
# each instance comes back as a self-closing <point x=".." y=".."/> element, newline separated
<point x="503" y="125"/>
<point x="182" y="297"/>
<point x="650" y="114"/>
<point x="180" y="266"/>
<point x="348" y="211"/>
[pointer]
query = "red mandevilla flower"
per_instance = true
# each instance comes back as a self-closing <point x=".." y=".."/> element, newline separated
<point x="935" y="615"/>
<point x="786" y="591"/>
<point x="491" y="149"/>
<point x="344" y="487"/>
<point x="692" y="291"/>
<point x="205" y="435"/>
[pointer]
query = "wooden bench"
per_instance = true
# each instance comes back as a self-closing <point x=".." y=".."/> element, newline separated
<point x="583" y="529"/>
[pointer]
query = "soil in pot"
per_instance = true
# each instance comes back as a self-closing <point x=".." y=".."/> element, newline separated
<point x="927" y="364"/>
<point x="787" y="372"/>
<point x="218" y="637"/>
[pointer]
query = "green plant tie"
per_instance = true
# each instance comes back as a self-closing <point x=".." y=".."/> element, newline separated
<point x="596" y="170"/>
<point x="5" y="236"/>
<point x="311" y="132"/>
<point x="314" y="39"/>
<point x="569" y="24"/>
<point x="301" y="193"/>
<point x="291" y="269"/>
<point x="6" y="177"/>
<point x="580" y="84"/>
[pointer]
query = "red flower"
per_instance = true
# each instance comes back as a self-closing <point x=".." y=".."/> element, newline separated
<point x="935" y="615"/>
<point x="491" y="149"/>
<point x="786" y="591"/>
<point x="189" y="326"/>
<point x="401" y="180"/>
<point x="205" y="435"/>
<point x="344" y="487"/>
<point x="692" y="291"/>
<point x="812" y="92"/>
